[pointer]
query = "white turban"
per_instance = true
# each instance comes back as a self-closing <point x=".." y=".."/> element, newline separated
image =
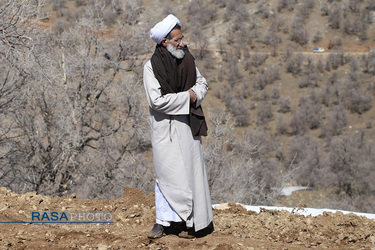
<point x="162" y="29"/>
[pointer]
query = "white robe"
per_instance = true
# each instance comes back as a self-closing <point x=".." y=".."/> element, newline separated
<point x="177" y="155"/>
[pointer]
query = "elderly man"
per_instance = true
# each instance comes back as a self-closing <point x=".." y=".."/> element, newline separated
<point x="175" y="89"/>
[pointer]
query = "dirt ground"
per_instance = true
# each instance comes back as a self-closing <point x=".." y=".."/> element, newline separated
<point x="134" y="215"/>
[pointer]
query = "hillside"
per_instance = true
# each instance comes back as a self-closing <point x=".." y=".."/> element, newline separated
<point x="74" y="118"/>
<point x="133" y="213"/>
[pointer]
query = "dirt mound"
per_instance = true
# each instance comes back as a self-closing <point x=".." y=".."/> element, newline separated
<point x="235" y="228"/>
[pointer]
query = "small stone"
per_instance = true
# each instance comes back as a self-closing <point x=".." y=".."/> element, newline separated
<point x="102" y="247"/>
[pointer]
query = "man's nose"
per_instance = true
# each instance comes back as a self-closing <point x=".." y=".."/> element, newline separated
<point x="181" y="43"/>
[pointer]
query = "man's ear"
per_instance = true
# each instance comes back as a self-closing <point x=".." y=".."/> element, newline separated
<point x="164" y="42"/>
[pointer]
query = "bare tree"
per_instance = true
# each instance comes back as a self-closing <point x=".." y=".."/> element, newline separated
<point x="18" y="29"/>
<point x="240" y="168"/>
<point x="349" y="160"/>
<point x="338" y="120"/>
<point x="267" y="76"/>
<point x="335" y="16"/>
<point x="307" y="160"/>
<point x="369" y="63"/>
<point x="297" y="31"/>
<point x="73" y="118"/>
<point x="308" y="115"/>
<point x="356" y="101"/>
<point x="294" y="64"/>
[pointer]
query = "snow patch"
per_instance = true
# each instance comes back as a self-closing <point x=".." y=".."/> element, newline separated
<point x="299" y="211"/>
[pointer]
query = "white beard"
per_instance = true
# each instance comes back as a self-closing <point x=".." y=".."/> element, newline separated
<point x="178" y="53"/>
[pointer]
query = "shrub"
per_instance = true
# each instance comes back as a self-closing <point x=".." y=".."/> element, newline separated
<point x="305" y="9"/>
<point x="294" y="64"/>
<point x="356" y="101"/>
<point x="109" y="18"/>
<point x="284" y="105"/>
<point x="335" y="16"/>
<point x="238" y="167"/>
<point x="324" y="8"/>
<point x="267" y="76"/>
<point x="58" y="5"/>
<point x="281" y="125"/>
<point x="60" y="26"/>
<point x="363" y="31"/>
<point x="348" y="167"/>
<point x="307" y="159"/>
<point x="232" y="9"/>
<point x="221" y="3"/>
<point x="201" y="13"/>
<point x="233" y="72"/>
<point x="336" y="59"/>
<point x="353" y="6"/>
<point x="258" y="59"/>
<point x="309" y="81"/>
<point x="335" y="123"/>
<point x="264" y="113"/>
<point x="320" y="66"/>
<point x="317" y="37"/>
<point x="80" y="3"/>
<point x="354" y="64"/>
<point x="370" y="5"/>
<point x="262" y="9"/>
<point x="239" y="111"/>
<point x="338" y="120"/>
<point x="307" y="117"/>
<point x="298" y="33"/>
<point x="286" y="4"/>
<point x="330" y="94"/>
<point x="303" y="82"/>
<point x="275" y="93"/>
<point x="369" y="63"/>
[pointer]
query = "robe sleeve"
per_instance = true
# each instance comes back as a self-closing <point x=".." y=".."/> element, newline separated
<point x="200" y="88"/>
<point x="169" y="104"/>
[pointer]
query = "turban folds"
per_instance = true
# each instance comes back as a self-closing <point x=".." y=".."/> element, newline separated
<point x="162" y="29"/>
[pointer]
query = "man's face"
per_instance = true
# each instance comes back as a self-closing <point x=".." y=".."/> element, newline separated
<point x="176" y="39"/>
<point x="175" y="44"/>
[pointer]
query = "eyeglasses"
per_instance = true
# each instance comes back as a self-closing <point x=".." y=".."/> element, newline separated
<point x="178" y="40"/>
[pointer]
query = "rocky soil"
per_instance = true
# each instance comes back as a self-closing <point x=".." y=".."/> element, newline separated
<point x="134" y="215"/>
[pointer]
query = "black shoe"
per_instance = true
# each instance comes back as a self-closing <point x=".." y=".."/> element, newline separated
<point x="156" y="232"/>
<point x="205" y="231"/>
<point x="175" y="228"/>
